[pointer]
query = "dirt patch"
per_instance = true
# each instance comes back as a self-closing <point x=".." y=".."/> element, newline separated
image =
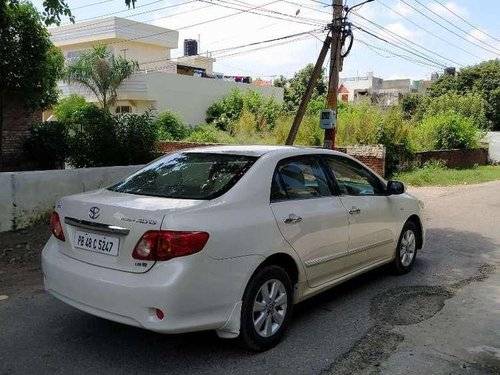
<point x="368" y="353"/>
<point x="409" y="305"/>
<point x="20" y="259"/>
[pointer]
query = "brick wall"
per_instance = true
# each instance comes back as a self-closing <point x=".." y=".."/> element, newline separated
<point x="455" y="158"/>
<point x="372" y="156"/>
<point x="15" y="129"/>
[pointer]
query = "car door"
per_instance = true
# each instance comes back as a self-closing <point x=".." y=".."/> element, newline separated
<point x="310" y="218"/>
<point x="371" y="211"/>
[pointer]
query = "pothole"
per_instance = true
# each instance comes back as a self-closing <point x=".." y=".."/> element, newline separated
<point x="409" y="305"/>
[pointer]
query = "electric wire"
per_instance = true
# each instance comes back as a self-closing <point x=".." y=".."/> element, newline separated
<point x="465" y="20"/>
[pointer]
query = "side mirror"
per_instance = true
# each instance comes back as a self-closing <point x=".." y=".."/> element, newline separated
<point x="395" y="188"/>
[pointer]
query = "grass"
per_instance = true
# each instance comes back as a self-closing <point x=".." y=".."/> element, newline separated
<point x="439" y="176"/>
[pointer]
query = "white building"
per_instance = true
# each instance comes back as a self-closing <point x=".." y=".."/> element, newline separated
<point x="161" y="83"/>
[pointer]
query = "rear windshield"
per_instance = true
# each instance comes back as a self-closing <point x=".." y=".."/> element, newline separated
<point x="187" y="176"/>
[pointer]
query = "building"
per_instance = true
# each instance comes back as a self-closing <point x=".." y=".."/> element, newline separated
<point x="187" y="85"/>
<point x="382" y="92"/>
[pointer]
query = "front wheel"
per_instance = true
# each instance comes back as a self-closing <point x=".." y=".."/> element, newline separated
<point x="406" y="251"/>
<point x="267" y="308"/>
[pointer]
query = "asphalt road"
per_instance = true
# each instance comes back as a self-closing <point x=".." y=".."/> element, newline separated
<point x="335" y="332"/>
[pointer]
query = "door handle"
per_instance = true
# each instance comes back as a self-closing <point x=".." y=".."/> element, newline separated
<point x="354" y="211"/>
<point x="292" y="219"/>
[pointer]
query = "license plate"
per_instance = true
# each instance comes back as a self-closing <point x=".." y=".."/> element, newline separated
<point x="97" y="243"/>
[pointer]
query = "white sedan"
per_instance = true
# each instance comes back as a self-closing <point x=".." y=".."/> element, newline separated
<point x="227" y="238"/>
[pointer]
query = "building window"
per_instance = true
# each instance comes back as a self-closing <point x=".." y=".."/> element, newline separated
<point x="121" y="109"/>
<point x="345" y="97"/>
<point x="72" y="56"/>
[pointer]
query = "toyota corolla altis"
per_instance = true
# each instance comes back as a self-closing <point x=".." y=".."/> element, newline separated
<point x="228" y="239"/>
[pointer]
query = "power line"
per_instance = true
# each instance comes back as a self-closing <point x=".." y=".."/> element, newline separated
<point x="103" y="21"/>
<point x="89" y="5"/>
<point x="401" y="48"/>
<point x="465" y="20"/>
<point x="407" y="40"/>
<point x="394" y="54"/>
<point x="452" y="24"/>
<point x="446" y="28"/>
<point x="426" y="30"/>
<point x="276" y="14"/>
<point x="265" y="41"/>
<point x="119" y="11"/>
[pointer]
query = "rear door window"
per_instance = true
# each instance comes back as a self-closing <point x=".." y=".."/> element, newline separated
<point x="299" y="178"/>
<point x="187" y="176"/>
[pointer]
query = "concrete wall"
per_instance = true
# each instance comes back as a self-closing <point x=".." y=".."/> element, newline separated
<point x="26" y="197"/>
<point x="493" y="140"/>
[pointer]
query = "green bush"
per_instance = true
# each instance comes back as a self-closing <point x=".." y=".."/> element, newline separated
<point x="446" y="131"/>
<point x="204" y="134"/>
<point x="470" y="105"/>
<point x="228" y="110"/>
<point x="358" y="123"/>
<point x="136" y="136"/>
<point x="94" y="142"/>
<point x="170" y="127"/>
<point x="47" y="145"/>
<point x="68" y="108"/>
<point x="309" y="133"/>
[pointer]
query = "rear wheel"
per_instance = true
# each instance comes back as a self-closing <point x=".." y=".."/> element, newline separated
<point x="267" y="308"/>
<point x="406" y="251"/>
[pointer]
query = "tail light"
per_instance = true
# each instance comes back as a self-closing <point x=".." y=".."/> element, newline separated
<point x="56" y="227"/>
<point x="165" y="245"/>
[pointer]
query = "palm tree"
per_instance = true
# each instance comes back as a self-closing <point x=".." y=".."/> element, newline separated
<point x="100" y="72"/>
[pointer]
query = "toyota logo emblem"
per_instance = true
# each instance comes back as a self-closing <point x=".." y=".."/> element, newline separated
<point x="94" y="212"/>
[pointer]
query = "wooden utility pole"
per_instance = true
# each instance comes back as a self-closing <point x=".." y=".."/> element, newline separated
<point x="335" y="64"/>
<point x="307" y="94"/>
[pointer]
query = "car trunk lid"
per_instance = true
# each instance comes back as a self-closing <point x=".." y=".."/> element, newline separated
<point x="103" y="227"/>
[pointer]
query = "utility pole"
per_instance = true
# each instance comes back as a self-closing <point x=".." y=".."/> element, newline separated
<point x="335" y="67"/>
<point x="309" y="90"/>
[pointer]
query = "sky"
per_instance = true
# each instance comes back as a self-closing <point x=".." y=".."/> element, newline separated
<point x="456" y="42"/>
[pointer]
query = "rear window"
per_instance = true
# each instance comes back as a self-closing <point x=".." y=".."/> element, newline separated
<point x="187" y="176"/>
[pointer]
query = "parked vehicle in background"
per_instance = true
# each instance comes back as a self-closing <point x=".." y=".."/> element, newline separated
<point x="227" y="238"/>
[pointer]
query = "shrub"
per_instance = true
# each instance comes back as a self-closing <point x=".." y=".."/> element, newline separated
<point x="136" y="136"/>
<point x="68" y="108"/>
<point x="204" y="134"/>
<point x="94" y="142"/>
<point x="47" y="145"/>
<point x="228" y="110"/>
<point x="170" y="127"/>
<point x="358" y="123"/>
<point x="309" y="133"/>
<point x="470" y="105"/>
<point x="446" y="131"/>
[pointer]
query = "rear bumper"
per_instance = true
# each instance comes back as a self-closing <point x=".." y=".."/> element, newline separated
<point x="195" y="292"/>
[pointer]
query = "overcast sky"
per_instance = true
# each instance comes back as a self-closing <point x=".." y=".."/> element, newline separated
<point x="377" y="56"/>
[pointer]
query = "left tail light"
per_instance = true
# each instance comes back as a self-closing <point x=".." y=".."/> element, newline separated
<point x="56" y="227"/>
<point x="164" y="245"/>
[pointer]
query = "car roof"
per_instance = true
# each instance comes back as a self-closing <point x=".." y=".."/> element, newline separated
<point x="259" y="150"/>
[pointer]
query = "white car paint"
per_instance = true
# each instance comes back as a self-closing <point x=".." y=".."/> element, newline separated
<point x="203" y="291"/>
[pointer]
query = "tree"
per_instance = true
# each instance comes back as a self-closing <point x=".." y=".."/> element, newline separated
<point x="30" y="64"/>
<point x="100" y="72"/>
<point x="53" y="10"/>
<point x="296" y="86"/>
<point x="483" y="78"/>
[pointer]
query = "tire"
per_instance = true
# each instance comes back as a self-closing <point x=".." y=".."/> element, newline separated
<point x="260" y="322"/>
<point x="406" y="252"/>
